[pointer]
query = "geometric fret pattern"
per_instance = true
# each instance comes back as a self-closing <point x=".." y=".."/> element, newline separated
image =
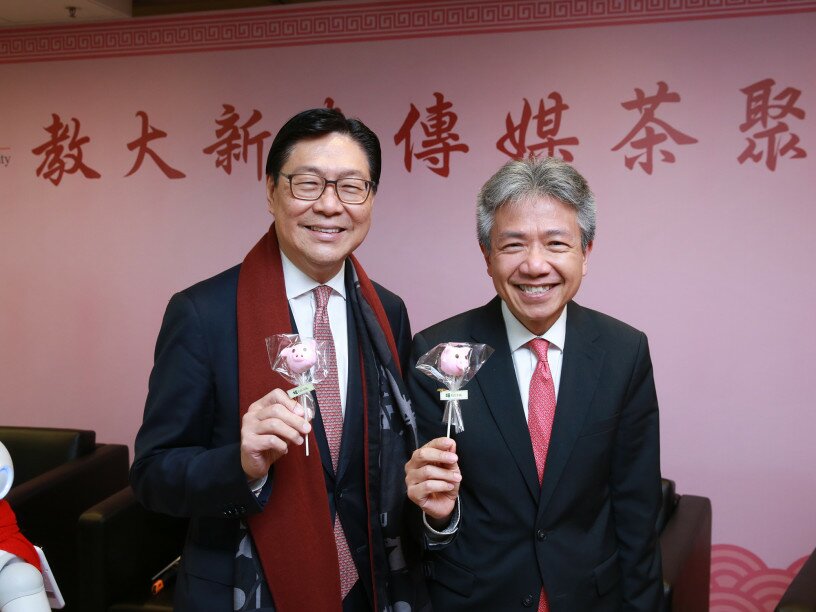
<point x="397" y="19"/>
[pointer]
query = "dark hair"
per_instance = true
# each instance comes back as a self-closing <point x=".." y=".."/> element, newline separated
<point x="318" y="122"/>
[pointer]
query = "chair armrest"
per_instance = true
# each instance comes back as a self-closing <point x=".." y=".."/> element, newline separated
<point x="48" y="507"/>
<point x="79" y="483"/>
<point x="36" y="450"/>
<point x="801" y="593"/>
<point x="685" y="546"/>
<point x="121" y="547"/>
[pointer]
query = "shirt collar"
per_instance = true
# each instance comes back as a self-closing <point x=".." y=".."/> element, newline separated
<point x="298" y="282"/>
<point x="518" y="335"/>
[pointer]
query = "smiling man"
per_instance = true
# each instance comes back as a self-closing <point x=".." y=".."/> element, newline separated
<point x="272" y="528"/>
<point x="557" y="472"/>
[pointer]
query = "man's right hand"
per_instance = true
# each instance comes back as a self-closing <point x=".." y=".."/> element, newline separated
<point x="432" y="477"/>
<point x="268" y="428"/>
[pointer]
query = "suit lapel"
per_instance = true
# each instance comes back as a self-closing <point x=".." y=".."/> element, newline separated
<point x="580" y="372"/>
<point x="497" y="381"/>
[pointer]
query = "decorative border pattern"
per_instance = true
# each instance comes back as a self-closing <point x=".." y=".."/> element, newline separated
<point x="741" y="582"/>
<point x="389" y="20"/>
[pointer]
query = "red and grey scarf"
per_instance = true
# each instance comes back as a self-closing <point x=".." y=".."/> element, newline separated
<point x="293" y="535"/>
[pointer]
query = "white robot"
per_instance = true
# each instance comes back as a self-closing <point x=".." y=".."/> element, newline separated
<point x="21" y="583"/>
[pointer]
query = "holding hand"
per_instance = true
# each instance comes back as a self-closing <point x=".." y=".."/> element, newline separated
<point x="432" y="476"/>
<point x="268" y="428"/>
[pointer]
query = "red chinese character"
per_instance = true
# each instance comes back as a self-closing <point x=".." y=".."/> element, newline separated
<point x="56" y="161"/>
<point x="439" y="136"/>
<point x="234" y="140"/>
<point x="329" y="103"/>
<point x="150" y="133"/>
<point x="548" y="123"/>
<point x="759" y="110"/>
<point x="651" y="138"/>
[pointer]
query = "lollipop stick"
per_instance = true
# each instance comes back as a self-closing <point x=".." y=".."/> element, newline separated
<point x="304" y="403"/>
<point x="449" y="422"/>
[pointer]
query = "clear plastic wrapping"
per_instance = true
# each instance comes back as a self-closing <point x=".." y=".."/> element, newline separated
<point x="453" y="364"/>
<point x="304" y="363"/>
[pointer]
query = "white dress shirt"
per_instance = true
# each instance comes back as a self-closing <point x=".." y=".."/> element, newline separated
<point x="300" y="293"/>
<point x="525" y="360"/>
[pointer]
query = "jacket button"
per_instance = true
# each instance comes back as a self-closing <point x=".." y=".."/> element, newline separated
<point x="541" y="535"/>
<point x="527" y="602"/>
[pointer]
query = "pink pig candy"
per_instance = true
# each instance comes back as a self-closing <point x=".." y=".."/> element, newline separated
<point x="300" y="357"/>
<point x="454" y="360"/>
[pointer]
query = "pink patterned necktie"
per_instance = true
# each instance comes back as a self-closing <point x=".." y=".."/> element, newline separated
<point x="540" y="415"/>
<point x="331" y="412"/>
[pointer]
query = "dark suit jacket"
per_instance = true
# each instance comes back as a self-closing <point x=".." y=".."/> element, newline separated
<point x="187" y="457"/>
<point x="588" y="533"/>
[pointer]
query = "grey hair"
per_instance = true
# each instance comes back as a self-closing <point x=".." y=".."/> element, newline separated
<point x="520" y="180"/>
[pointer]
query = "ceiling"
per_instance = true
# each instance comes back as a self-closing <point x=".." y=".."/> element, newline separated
<point x="20" y="13"/>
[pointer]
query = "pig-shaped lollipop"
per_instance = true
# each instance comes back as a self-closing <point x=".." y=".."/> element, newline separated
<point x="453" y="364"/>
<point x="300" y="357"/>
<point x="301" y="361"/>
<point x="454" y="359"/>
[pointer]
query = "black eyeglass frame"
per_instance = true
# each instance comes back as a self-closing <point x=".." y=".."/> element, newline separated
<point x="370" y="185"/>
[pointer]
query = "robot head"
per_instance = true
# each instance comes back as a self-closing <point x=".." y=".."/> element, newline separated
<point x="454" y="360"/>
<point x="6" y="471"/>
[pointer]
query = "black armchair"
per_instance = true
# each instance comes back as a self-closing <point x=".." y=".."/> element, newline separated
<point x="58" y="473"/>
<point x="801" y="593"/>
<point x="684" y="525"/>
<point x="121" y="547"/>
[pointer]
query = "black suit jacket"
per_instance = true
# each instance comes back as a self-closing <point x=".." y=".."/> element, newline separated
<point x="187" y="456"/>
<point x="588" y="533"/>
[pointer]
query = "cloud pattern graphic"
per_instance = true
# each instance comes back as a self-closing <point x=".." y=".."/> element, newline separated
<point x="741" y="582"/>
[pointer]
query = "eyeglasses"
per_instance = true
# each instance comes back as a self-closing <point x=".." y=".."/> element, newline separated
<point x="311" y="187"/>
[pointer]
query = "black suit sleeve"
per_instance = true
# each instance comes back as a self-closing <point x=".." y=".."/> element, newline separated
<point x="402" y="336"/>
<point x="635" y="484"/>
<point x="183" y="464"/>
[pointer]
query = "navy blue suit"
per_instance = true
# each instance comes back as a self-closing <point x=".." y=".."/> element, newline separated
<point x="588" y="533"/>
<point x="187" y="456"/>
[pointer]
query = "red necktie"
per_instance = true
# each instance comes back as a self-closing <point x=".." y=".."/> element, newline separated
<point x="540" y="415"/>
<point x="331" y="412"/>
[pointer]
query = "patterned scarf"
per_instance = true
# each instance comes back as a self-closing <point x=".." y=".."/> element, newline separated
<point x="293" y="535"/>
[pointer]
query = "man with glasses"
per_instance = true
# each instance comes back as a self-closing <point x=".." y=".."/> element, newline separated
<point x="271" y="527"/>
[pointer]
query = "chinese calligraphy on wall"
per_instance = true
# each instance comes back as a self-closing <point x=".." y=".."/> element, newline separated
<point x="432" y="136"/>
